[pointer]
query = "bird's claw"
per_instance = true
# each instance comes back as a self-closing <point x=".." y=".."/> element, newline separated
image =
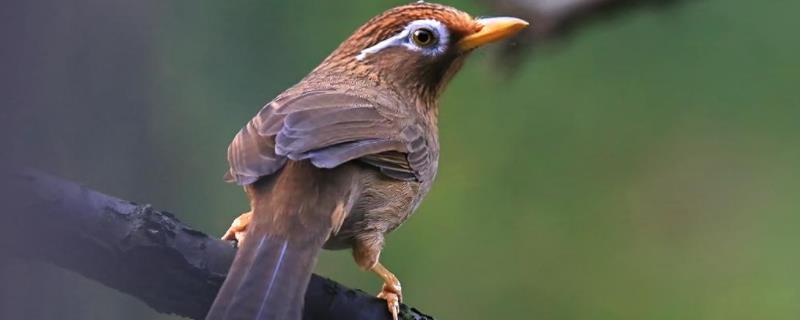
<point x="393" y="295"/>
<point x="238" y="229"/>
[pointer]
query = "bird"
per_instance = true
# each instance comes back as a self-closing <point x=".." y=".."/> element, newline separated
<point x="344" y="156"/>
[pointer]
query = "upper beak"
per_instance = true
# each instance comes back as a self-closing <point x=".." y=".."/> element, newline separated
<point x="494" y="29"/>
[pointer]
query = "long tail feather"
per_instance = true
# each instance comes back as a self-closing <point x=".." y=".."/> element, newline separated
<point x="278" y="271"/>
<point x="292" y="217"/>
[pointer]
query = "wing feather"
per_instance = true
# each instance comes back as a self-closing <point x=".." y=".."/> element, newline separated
<point x="328" y="128"/>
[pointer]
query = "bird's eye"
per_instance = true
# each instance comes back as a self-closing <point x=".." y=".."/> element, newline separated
<point x="423" y="37"/>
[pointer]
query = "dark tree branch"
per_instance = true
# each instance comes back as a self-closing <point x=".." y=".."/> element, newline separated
<point x="141" y="251"/>
<point x="556" y="19"/>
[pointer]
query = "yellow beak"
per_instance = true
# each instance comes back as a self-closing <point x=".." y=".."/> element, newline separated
<point x="494" y="29"/>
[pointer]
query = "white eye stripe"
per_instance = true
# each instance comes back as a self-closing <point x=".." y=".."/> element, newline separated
<point x="402" y="39"/>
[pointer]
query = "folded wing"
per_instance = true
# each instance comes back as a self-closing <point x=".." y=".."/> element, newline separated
<point x="329" y="129"/>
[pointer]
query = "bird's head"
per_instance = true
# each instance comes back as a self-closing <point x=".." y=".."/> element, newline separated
<point x="416" y="48"/>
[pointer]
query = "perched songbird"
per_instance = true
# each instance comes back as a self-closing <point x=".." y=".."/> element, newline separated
<point x="344" y="156"/>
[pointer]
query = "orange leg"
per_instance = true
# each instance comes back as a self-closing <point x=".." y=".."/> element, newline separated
<point x="238" y="228"/>
<point x="391" y="291"/>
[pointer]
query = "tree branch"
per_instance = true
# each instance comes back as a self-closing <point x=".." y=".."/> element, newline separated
<point x="555" y="20"/>
<point x="141" y="251"/>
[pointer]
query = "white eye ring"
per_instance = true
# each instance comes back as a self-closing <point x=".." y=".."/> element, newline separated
<point x="405" y="39"/>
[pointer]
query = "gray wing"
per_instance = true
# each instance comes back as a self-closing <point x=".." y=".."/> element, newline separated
<point x="329" y="129"/>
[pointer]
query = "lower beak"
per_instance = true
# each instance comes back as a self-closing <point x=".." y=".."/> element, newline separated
<point x="494" y="29"/>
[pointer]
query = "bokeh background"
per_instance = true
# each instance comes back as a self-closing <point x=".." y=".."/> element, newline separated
<point x="646" y="168"/>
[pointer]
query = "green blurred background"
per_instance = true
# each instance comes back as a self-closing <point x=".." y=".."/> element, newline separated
<point x="648" y="168"/>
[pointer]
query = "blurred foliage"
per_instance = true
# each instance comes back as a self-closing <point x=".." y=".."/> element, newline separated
<point x="647" y="169"/>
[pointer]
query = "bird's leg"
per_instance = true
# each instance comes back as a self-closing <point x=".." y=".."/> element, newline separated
<point x="367" y="253"/>
<point x="238" y="228"/>
<point x="391" y="291"/>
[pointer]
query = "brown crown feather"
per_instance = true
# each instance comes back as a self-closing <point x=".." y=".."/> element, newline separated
<point x="393" y="21"/>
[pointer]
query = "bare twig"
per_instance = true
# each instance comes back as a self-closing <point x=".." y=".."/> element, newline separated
<point x="556" y="19"/>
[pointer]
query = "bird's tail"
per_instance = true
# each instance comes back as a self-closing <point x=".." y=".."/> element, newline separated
<point x="267" y="281"/>
<point x="292" y="217"/>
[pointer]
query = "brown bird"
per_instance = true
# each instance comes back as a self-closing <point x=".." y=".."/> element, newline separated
<point x="344" y="156"/>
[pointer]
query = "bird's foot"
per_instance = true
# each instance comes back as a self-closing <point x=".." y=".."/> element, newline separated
<point x="391" y="292"/>
<point x="238" y="228"/>
<point x="393" y="296"/>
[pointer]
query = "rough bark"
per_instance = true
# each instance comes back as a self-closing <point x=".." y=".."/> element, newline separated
<point x="141" y="251"/>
